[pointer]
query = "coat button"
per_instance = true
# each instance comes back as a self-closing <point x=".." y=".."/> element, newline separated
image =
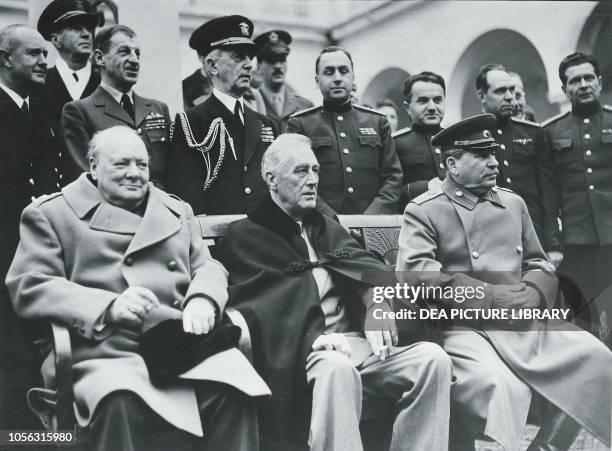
<point x="340" y="118"/>
<point x="31" y="181"/>
<point x="586" y="120"/>
<point x="458" y="193"/>
<point x="139" y="131"/>
<point x="349" y="169"/>
<point x="176" y="303"/>
<point x="437" y="150"/>
<point x="509" y="180"/>
<point x="172" y="265"/>
<point x="129" y="261"/>
<point x="475" y="254"/>
<point x="342" y="135"/>
<point x="502" y="146"/>
<point x="499" y="132"/>
<point x="350" y="190"/>
<point x="519" y="249"/>
<point x="589" y="170"/>
<point x="245" y="169"/>
<point x="163" y="139"/>
<point x="441" y="165"/>
<point x="588" y="153"/>
<point x="345" y="151"/>
<point x="587" y="136"/>
<point x="247" y="190"/>
<point x="506" y="163"/>
<point x="591" y="187"/>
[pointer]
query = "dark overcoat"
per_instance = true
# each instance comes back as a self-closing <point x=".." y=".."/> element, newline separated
<point x="279" y="298"/>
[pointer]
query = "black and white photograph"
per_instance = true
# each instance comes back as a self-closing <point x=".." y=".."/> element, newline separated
<point x="306" y="225"/>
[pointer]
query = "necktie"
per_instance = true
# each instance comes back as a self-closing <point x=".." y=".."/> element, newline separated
<point x="126" y="103"/>
<point x="238" y="112"/>
<point x="25" y="109"/>
<point x="75" y="76"/>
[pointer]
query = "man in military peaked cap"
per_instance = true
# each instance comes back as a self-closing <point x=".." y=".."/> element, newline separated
<point x="469" y="233"/>
<point x="69" y="25"/>
<point x="218" y="144"/>
<point x="280" y="99"/>
<point x="360" y="171"/>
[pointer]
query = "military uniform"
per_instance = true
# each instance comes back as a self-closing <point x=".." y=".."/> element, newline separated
<point x="581" y="151"/>
<point x="360" y="172"/>
<point x="419" y="159"/>
<point x="453" y="238"/>
<point x="196" y="89"/>
<point x="524" y="166"/>
<point x="292" y="104"/>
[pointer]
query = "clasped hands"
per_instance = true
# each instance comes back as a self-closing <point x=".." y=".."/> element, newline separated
<point x="518" y="296"/>
<point x="131" y="308"/>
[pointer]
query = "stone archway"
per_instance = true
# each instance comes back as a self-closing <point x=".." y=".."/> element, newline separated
<point x="388" y="84"/>
<point x="517" y="54"/>
<point x="596" y="38"/>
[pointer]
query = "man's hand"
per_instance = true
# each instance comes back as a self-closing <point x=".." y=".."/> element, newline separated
<point x="132" y="307"/>
<point x="199" y="316"/>
<point x="380" y="333"/>
<point x="555" y="258"/>
<point x="337" y="342"/>
<point x="515" y="296"/>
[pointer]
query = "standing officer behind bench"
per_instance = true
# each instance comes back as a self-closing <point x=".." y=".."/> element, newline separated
<point x="218" y="144"/>
<point x="360" y="171"/>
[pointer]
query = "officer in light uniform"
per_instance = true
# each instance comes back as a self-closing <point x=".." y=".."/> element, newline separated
<point x="360" y="171"/>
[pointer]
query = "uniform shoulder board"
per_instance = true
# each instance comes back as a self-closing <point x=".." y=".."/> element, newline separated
<point x="45" y="198"/>
<point x="400" y="132"/>
<point x="526" y="122"/>
<point x="550" y="120"/>
<point x="303" y="112"/>
<point x="607" y="108"/>
<point x="508" y="190"/>
<point x="365" y="108"/>
<point x="428" y="195"/>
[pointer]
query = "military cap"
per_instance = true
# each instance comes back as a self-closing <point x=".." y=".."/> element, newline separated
<point x="60" y="14"/>
<point x="273" y="43"/>
<point x="222" y="32"/>
<point x="471" y="134"/>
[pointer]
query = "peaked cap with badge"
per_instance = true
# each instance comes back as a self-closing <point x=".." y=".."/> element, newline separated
<point x="273" y="43"/>
<point x="60" y="14"/>
<point x="217" y="152"/>
<point x="472" y="134"/>
<point x="222" y="32"/>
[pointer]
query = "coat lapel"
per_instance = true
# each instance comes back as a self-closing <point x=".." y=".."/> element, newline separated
<point x="252" y="134"/>
<point x="142" y="108"/>
<point x="158" y="223"/>
<point x="103" y="100"/>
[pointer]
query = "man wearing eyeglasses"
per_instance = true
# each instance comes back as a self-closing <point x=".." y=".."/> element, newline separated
<point x="280" y="99"/>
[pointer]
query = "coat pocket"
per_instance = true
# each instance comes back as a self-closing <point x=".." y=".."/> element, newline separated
<point x="562" y="144"/>
<point x="371" y="141"/>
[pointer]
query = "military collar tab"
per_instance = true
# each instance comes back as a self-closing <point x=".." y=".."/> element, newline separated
<point x="466" y="198"/>
<point x="401" y="132"/>
<point x="335" y="107"/>
<point x="554" y="118"/>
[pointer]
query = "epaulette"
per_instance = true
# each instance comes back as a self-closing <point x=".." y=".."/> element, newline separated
<point x="45" y="198"/>
<point x="303" y="112"/>
<point x="369" y="110"/>
<point x="526" y="122"/>
<point x="508" y="190"/>
<point x="400" y="132"/>
<point x="550" y="120"/>
<point x="428" y="195"/>
<point x="607" y="107"/>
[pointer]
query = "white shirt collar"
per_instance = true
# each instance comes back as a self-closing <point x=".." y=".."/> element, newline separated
<point x="227" y="100"/>
<point x="13" y="95"/>
<point x="75" y="88"/>
<point x="116" y="94"/>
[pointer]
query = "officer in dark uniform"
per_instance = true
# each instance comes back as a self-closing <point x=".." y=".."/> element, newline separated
<point x="218" y="145"/>
<point x="421" y="162"/>
<point x="523" y="154"/>
<point x="69" y="25"/>
<point x="281" y="100"/>
<point x="581" y="142"/>
<point x="360" y="172"/>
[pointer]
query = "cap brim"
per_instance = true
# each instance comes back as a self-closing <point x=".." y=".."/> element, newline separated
<point x="230" y="367"/>
<point x="90" y="19"/>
